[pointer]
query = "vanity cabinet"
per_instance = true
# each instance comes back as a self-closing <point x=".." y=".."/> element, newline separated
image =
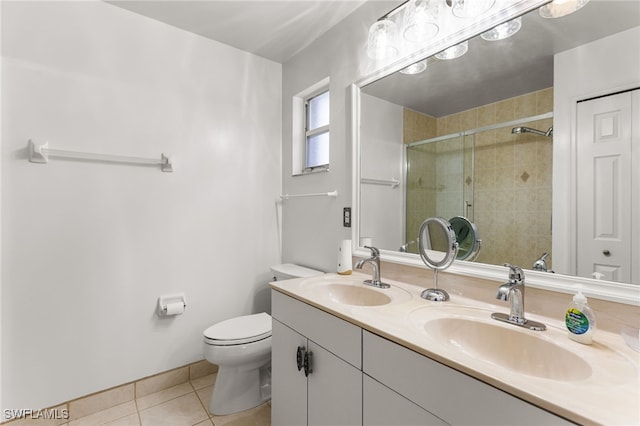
<point x="331" y="391"/>
<point x="447" y="394"/>
<point x="356" y="377"/>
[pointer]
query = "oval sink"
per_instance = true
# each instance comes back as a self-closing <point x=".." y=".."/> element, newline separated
<point x="352" y="291"/>
<point x="352" y="295"/>
<point x="509" y="348"/>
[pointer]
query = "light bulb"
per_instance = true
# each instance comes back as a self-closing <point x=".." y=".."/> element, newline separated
<point x="382" y="41"/>
<point x="454" y="51"/>
<point x="560" y="8"/>
<point x="420" y="21"/>
<point x="470" y="8"/>
<point x="416" y="68"/>
<point x="503" y="31"/>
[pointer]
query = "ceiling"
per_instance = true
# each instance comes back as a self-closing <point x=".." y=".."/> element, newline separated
<point x="275" y="30"/>
<point x="489" y="72"/>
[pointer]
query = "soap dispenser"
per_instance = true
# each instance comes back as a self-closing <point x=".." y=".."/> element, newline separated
<point x="580" y="319"/>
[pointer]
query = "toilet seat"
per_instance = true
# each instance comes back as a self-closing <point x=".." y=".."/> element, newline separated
<point x="239" y="330"/>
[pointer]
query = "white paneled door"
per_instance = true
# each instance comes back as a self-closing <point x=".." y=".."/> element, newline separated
<point x="607" y="187"/>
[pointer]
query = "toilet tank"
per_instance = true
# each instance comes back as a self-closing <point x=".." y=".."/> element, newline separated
<point x="289" y="270"/>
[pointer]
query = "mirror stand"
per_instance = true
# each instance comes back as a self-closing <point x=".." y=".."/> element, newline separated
<point x="435" y="294"/>
<point x="438" y="247"/>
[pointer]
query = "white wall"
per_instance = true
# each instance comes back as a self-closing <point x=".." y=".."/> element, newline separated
<point x="382" y="158"/>
<point x="312" y="227"/>
<point x="599" y="68"/>
<point x="87" y="247"/>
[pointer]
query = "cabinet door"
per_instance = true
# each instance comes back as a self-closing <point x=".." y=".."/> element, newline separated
<point x="382" y="406"/>
<point x="289" y="386"/>
<point x="334" y="390"/>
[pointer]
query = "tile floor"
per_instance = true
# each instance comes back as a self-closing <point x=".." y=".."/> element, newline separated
<point x="181" y="405"/>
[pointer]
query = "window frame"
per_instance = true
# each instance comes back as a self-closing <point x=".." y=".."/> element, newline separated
<point x="301" y="133"/>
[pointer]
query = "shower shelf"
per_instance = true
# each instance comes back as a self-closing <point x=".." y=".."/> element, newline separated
<point x="39" y="153"/>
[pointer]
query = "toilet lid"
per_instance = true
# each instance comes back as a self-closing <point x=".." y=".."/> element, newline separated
<point x="246" y="328"/>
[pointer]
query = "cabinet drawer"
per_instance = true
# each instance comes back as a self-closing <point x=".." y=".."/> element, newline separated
<point x="452" y="396"/>
<point x="339" y="337"/>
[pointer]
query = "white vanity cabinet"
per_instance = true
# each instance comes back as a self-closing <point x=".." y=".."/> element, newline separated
<point x="331" y="393"/>
<point x="359" y="378"/>
<point x="451" y="396"/>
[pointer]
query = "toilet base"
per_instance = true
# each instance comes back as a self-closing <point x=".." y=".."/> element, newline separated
<point x="238" y="389"/>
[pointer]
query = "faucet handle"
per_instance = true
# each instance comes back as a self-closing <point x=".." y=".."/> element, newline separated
<point x="375" y="253"/>
<point x="516" y="274"/>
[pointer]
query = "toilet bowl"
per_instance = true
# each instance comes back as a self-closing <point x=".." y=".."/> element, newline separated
<point x="241" y="348"/>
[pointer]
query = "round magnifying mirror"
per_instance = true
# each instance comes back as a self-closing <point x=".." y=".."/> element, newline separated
<point x="438" y="248"/>
<point x="469" y="242"/>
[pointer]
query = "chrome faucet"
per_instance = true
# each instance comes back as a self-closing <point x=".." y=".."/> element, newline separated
<point x="374" y="260"/>
<point x="541" y="264"/>
<point x="405" y="247"/>
<point x="513" y="291"/>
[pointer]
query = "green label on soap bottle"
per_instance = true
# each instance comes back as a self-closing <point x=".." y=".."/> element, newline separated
<point x="576" y="321"/>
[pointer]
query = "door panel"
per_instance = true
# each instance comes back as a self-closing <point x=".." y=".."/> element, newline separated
<point x="604" y="187"/>
<point x="289" y="386"/>
<point x="335" y="390"/>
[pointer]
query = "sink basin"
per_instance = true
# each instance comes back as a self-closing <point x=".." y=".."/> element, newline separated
<point x="352" y="295"/>
<point x="352" y="292"/>
<point x="509" y="348"/>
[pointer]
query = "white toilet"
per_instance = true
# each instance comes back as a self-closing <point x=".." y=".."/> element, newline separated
<point x="241" y="348"/>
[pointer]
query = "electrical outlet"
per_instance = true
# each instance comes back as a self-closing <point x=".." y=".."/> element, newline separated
<point x="346" y="217"/>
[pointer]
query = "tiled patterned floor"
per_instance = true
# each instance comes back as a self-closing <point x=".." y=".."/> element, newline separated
<point x="182" y="405"/>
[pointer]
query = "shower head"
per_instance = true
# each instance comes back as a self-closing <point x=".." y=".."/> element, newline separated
<point x="518" y="130"/>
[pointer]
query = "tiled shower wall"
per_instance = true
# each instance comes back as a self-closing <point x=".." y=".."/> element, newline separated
<point x="511" y="177"/>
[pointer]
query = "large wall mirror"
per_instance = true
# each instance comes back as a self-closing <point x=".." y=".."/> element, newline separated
<point x="473" y="137"/>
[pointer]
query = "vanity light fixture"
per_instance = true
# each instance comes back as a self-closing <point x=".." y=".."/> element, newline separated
<point x="417" y="21"/>
<point x="454" y="51"/>
<point x="416" y="68"/>
<point x="470" y="8"/>
<point x="560" y="8"/>
<point x="383" y="39"/>
<point x="502" y="31"/>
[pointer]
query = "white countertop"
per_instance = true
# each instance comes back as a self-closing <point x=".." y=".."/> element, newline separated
<point x="608" y="394"/>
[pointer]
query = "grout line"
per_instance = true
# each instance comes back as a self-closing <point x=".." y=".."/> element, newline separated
<point x="135" y="401"/>
<point x="166" y="400"/>
<point x="206" y="409"/>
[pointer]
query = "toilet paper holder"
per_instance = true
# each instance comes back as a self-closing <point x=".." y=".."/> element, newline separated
<point x="171" y="304"/>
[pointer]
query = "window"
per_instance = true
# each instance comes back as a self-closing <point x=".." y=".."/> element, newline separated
<point x="311" y="129"/>
<point x="317" y="132"/>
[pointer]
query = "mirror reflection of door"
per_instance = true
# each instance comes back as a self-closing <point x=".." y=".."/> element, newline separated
<point x="436" y="175"/>
<point x="607" y="131"/>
